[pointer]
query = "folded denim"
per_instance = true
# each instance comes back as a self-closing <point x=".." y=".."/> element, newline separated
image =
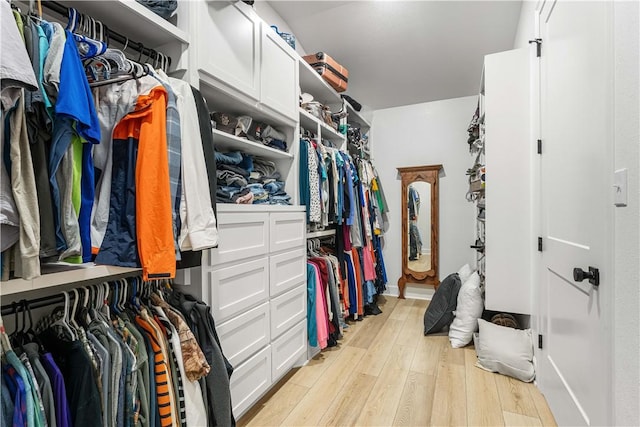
<point x="230" y="179"/>
<point x="163" y="8"/>
<point x="246" y="163"/>
<point x="277" y="143"/>
<point x="233" y="158"/>
<point x="235" y="169"/>
<point x="280" y="200"/>
<point x="230" y="192"/>
<point x="274" y="187"/>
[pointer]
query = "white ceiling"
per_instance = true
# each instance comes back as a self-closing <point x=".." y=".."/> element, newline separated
<point x="405" y="52"/>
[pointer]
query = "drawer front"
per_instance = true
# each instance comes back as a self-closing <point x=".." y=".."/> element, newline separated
<point x="250" y="380"/>
<point x="287" y="270"/>
<point x="241" y="235"/>
<point x="245" y="334"/>
<point x="288" y="230"/>
<point x="288" y="349"/>
<point x="236" y="288"/>
<point x="287" y="310"/>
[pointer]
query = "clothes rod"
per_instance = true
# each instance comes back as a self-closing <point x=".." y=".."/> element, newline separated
<point x="124" y="41"/>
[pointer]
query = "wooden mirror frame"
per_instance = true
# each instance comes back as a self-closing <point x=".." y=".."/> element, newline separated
<point x="409" y="175"/>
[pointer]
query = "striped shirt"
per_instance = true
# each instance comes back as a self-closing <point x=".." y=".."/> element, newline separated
<point x="164" y="393"/>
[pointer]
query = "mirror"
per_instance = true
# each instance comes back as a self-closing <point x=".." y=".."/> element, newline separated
<point x="419" y="226"/>
<point x="419" y="218"/>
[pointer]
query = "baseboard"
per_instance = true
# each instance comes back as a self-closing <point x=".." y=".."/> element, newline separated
<point x="411" y="292"/>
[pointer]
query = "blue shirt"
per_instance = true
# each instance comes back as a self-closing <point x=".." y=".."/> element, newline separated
<point x="75" y="98"/>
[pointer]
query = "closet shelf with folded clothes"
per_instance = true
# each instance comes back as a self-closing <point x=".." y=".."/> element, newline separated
<point x="61" y="273"/>
<point x="309" y="122"/>
<point x="226" y="142"/>
<point x="128" y="17"/>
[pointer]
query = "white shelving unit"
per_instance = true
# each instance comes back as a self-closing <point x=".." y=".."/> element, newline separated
<point x="62" y="274"/>
<point x="311" y="82"/>
<point x="356" y="118"/>
<point x="313" y="124"/>
<point x="132" y="19"/>
<point x="323" y="233"/>
<point x="226" y="142"/>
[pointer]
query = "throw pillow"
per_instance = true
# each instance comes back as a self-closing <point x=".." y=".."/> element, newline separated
<point x="469" y="310"/>
<point x="465" y="272"/>
<point x="505" y="350"/>
<point x="439" y="313"/>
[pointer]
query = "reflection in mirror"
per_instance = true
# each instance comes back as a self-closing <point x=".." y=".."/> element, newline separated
<point x="419" y="226"/>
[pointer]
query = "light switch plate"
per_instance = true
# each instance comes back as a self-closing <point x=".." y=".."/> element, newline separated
<point x="620" y="187"/>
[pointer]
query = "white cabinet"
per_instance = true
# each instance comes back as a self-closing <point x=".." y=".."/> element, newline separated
<point x="238" y="287"/>
<point x="241" y="236"/>
<point x="279" y="74"/>
<point x="250" y="380"/>
<point x="256" y="285"/>
<point x="509" y="150"/>
<point x="287" y="349"/>
<point x="288" y="309"/>
<point x="287" y="270"/>
<point x="244" y="335"/>
<point x="287" y="231"/>
<point x="229" y="45"/>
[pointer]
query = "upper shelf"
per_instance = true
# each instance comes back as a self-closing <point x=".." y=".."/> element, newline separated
<point x="59" y="274"/>
<point x="311" y="82"/>
<point x="310" y="122"/>
<point x="133" y="20"/>
<point x="356" y="117"/>
<point x="226" y="142"/>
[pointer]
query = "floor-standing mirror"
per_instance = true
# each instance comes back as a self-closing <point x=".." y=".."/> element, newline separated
<point x="419" y="226"/>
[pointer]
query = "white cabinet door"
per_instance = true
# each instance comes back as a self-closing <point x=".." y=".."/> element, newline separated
<point x="508" y="156"/>
<point x="244" y="335"/>
<point x="249" y="381"/>
<point x="287" y="270"/>
<point x="288" y="349"/>
<point x="238" y="287"/>
<point x="241" y="236"/>
<point x="229" y="45"/>
<point x="287" y="231"/>
<point x="287" y="310"/>
<point x="279" y="74"/>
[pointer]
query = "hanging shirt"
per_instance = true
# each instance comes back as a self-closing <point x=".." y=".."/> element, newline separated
<point x="198" y="230"/>
<point x="63" y="414"/>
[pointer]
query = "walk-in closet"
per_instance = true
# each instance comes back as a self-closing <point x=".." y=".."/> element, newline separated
<point x="319" y="213"/>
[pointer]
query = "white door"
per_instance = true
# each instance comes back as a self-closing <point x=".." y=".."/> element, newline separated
<point x="574" y="366"/>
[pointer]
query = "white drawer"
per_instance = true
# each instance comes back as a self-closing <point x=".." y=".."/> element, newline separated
<point x="287" y="349"/>
<point x="250" y="380"/>
<point x="288" y="230"/>
<point x="241" y="235"/>
<point x="238" y="287"/>
<point x="287" y="270"/>
<point x="245" y="334"/>
<point x="287" y="310"/>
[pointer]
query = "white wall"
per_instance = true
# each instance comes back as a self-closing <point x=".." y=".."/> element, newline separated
<point x="626" y="309"/>
<point x="425" y="134"/>
<point x="271" y="17"/>
<point x="626" y="350"/>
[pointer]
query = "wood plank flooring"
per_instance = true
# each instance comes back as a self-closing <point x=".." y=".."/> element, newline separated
<point x="386" y="373"/>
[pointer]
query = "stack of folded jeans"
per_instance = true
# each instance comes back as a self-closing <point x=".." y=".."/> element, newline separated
<point x="245" y="179"/>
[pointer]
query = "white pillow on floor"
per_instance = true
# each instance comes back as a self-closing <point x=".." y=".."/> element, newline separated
<point x="505" y="350"/>
<point x="468" y="311"/>
<point x="464" y="273"/>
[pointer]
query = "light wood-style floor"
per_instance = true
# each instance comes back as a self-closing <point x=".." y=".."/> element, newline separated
<point x="386" y="372"/>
